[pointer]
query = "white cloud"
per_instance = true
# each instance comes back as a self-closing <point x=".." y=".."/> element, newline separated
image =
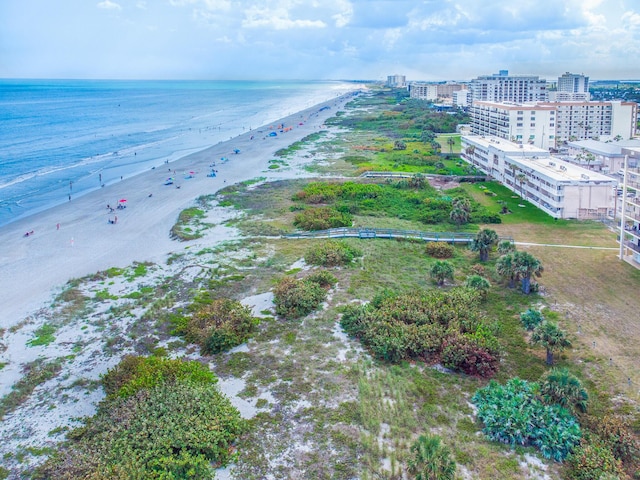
<point x="109" y="5"/>
<point x="344" y="14"/>
<point x="631" y="19"/>
<point x="277" y="19"/>
<point x="142" y="5"/>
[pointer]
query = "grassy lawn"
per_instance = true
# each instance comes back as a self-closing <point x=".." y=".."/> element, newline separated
<point x="443" y="140"/>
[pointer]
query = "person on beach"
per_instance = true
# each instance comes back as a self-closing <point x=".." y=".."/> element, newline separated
<point x="57" y="226"/>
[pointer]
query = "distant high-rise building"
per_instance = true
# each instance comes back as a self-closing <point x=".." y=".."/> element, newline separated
<point x="502" y="87"/>
<point x="571" y="88"/>
<point x="433" y="91"/>
<point x="396" y="81"/>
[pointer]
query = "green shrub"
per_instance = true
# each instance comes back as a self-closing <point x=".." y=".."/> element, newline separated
<point x="561" y="387"/>
<point x="331" y="253"/>
<point x="466" y="353"/>
<point x="134" y="373"/>
<point x="531" y="319"/>
<point x="513" y="414"/>
<point x="439" y="250"/>
<point x="220" y="325"/>
<point x="322" y="218"/>
<point x="420" y="325"/>
<point x="618" y="435"/>
<point x="479" y="283"/>
<point x="431" y="460"/>
<point x="592" y="459"/>
<point x="323" y="278"/>
<point x="296" y="298"/>
<point x="169" y="431"/>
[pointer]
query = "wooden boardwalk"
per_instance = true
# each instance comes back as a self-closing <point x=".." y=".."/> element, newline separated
<point x="463" y="178"/>
<point x="390" y="233"/>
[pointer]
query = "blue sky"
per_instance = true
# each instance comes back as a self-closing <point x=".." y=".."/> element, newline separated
<point x="318" y="39"/>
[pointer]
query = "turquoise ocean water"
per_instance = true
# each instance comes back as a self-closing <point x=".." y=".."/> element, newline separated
<point x="67" y="137"/>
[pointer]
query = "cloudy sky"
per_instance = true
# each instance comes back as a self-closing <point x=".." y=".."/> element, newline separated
<point x="318" y="39"/>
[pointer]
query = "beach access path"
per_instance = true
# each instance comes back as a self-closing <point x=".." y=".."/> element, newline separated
<point x="76" y="238"/>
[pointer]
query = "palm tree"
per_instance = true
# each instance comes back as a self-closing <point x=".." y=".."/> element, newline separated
<point x="504" y="268"/>
<point x="525" y="265"/>
<point x="505" y="247"/>
<point x="417" y="181"/>
<point x="481" y="284"/>
<point x="441" y="270"/>
<point x="551" y="337"/>
<point x="461" y="211"/>
<point x="485" y="239"/>
<point x="521" y="177"/>
<point x="459" y="216"/>
<point x="589" y="157"/>
<point x="560" y="386"/>
<point x="451" y="142"/>
<point x="431" y="460"/>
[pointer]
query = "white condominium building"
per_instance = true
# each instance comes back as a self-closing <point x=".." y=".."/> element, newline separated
<point x="630" y="199"/>
<point x="599" y="120"/>
<point x="502" y="87"/>
<point x="561" y="189"/>
<point x="520" y="123"/>
<point x="548" y="124"/>
<point x="571" y="87"/>
<point x="433" y="91"/>
<point x="396" y="81"/>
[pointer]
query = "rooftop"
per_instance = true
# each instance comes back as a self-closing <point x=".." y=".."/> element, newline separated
<point x="559" y="170"/>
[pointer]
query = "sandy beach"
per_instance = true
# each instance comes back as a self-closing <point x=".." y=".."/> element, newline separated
<point x="77" y="238"/>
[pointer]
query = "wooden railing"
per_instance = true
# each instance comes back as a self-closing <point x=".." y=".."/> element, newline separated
<point x="449" y="237"/>
<point x="464" y="178"/>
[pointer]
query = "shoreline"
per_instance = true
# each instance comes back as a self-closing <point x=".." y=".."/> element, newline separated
<point x="77" y="238"/>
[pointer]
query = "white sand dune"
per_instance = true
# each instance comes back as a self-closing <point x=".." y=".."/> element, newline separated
<point x="33" y="267"/>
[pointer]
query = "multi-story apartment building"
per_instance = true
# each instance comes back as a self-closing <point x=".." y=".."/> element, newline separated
<point x="571" y="87"/>
<point x="520" y="123"/>
<point x="462" y="98"/>
<point x="433" y="91"/>
<point x="599" y="120"/>
<point x="561" y="189"/>
<point x="549" y="124"/>
<point x="396" y="81"/>
<point x="629" y="237"/>
<point x="502" y="87"/>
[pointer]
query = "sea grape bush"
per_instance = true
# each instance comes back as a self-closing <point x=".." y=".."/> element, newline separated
<point x="134" y="373"/>
<point x="331" y="253"/>
<point x="322" y="218"/>
<point x="513" y="414"/>
<point x="431" y="326"/>
<point x="295" y="298"/>
<point x="216" y="325"/>
<point x="174" y="427"/>
<point x="593" y="459"/>
<point x="439" y="250"/>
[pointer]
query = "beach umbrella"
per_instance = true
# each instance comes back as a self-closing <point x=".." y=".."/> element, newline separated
<point x="122" y="200"/>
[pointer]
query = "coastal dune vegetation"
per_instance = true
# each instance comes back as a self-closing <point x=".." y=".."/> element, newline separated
<point x="356" y="358"/>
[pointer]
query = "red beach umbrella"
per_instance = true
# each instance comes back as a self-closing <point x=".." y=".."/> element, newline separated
<point x="122" y="200"/>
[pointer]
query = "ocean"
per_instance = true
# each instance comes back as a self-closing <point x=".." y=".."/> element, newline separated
<point x="61" y="138"/>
